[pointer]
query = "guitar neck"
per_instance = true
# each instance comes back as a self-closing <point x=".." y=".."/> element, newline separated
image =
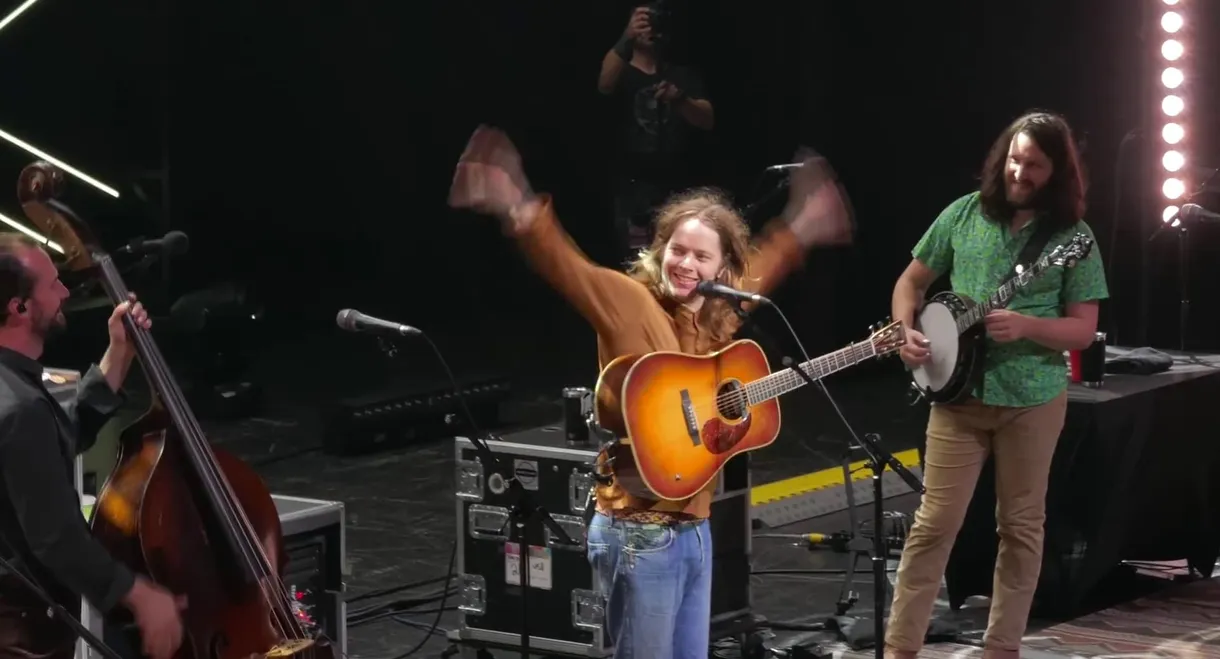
<point x="781" y="382"/>
<point x="1002" y="297"/>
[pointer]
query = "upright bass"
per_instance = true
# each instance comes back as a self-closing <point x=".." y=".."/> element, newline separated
<point x="194" y="518"/>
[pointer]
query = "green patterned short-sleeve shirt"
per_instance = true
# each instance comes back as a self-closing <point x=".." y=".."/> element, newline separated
<point x="978" y="254"/>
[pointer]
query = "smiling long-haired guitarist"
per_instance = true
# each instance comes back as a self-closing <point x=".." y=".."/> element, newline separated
<point x="654" y="558"/>
<point x="1032" y="198"/>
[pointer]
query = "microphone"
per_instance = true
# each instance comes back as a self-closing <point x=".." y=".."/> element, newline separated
<point x="712" y="289"/>
<point x="354" y="321"/>
<point x="171" y="244"/>
<point x="1190" y="212"/>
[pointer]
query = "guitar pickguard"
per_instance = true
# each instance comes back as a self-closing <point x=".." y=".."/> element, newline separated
<point x="720" y="437"/>
<point x="732" y="423"/>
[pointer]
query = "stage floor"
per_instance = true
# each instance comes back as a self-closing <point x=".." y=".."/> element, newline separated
<point x="400" y="505"/>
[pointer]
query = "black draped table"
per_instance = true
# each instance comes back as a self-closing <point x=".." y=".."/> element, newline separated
<point x="1136" y="476"/>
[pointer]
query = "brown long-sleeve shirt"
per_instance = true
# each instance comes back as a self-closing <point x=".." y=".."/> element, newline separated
<point x="630" y="320"/>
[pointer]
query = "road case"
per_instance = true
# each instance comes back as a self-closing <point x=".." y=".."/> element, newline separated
<point x="564" y="608"/>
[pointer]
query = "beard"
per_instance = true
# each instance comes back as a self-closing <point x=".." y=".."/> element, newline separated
<point x="1024" y="196"/>
<point x="49" y="328"/>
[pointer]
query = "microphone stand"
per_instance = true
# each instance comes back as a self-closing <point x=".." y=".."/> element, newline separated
<point x="878" y="460"/>
<point x="524" y="510"/>
<point x="1183" y="276"/>
<point x="54" y="609"/>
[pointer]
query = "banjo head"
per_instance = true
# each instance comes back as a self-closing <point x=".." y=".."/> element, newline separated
<point x="938" y="323"/>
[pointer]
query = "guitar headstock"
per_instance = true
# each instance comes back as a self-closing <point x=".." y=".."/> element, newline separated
<point x="887" y="338"/>
<point x="1069" y="253"/>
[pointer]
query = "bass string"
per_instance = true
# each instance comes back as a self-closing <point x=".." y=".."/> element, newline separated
<point x="158" y="371"/>
<point x="218" y="486"/>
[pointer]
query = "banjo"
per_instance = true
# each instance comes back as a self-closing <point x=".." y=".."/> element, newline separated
<point x="950" y="322"/>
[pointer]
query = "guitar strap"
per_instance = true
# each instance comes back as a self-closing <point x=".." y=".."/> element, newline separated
<point x="1029" y="253"/>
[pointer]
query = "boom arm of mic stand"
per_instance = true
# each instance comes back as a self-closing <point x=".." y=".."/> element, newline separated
<point x="61" y="613"/>
<point x="883" y="457"/>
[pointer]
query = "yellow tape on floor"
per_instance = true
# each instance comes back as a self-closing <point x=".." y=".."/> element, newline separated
<point x="798" y="485"/>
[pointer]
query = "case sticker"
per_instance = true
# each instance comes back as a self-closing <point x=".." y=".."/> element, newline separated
<point x="539" y="562"/>
<point x="526" y="472"/>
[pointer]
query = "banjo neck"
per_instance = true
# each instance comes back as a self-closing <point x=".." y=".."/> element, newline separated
<point x="1004" y="295"/>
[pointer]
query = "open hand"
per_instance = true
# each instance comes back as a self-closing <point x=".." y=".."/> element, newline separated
<point x="817" y="209"/>
<point x="131" y="307"/>
<point x="489" y="177"/>
<point x="1005" y="326"/>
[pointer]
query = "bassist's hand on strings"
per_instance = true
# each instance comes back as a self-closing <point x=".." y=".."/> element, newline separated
<point x="118" y="333"/>
<point x="121" y="352"/>
<point x="915" y="352"/>
<point x="156" y="612"/>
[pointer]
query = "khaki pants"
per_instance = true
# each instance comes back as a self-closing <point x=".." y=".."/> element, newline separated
<point x="959" y="439"/>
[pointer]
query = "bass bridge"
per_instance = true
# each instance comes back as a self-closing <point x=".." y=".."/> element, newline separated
<point x="290" y="648"/>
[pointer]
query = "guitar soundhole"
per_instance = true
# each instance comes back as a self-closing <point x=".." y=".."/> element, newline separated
<point x="731" y="401"/>
<point x="723" y="433"/>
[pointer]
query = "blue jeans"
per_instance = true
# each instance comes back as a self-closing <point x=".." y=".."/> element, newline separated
<point x="658" y="584"/>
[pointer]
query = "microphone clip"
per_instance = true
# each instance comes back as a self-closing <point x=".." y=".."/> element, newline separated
<point x="388" y="347"/>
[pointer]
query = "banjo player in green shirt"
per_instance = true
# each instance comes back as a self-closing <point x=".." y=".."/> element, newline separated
<point x="1032" y="176"/>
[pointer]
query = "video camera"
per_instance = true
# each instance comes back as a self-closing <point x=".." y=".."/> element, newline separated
<point x="660" y="19"/>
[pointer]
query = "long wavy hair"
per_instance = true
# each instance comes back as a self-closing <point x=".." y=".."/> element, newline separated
<point x="1063" y="197"/>
<point x="714" y="209"/>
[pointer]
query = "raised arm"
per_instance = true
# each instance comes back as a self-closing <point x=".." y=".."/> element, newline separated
<point x="817" y="214"/>
<point x="618" y="57"/>
<point x="604" y="297"/>
<point x="490" y="180"/>
<point x="93" y="405"/>
<point x="99" y="393"/>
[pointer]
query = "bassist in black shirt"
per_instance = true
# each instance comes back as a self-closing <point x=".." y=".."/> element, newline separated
<point x="42" y="530"/>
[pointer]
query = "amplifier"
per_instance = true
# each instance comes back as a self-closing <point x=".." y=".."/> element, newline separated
<point x="315" y="539"/>
<point x="565" y="609"/>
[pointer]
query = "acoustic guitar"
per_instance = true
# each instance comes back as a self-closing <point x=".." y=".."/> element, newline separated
<point x="685" y="416"/>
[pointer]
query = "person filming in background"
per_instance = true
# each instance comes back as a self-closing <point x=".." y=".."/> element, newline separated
<point x="657" y="104"/>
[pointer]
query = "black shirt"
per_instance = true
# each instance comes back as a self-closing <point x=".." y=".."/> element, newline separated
<point x="654" y="136"/>
<point x="40" y="510"/>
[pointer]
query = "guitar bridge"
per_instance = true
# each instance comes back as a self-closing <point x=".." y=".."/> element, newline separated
<point x="692" y="423"/>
